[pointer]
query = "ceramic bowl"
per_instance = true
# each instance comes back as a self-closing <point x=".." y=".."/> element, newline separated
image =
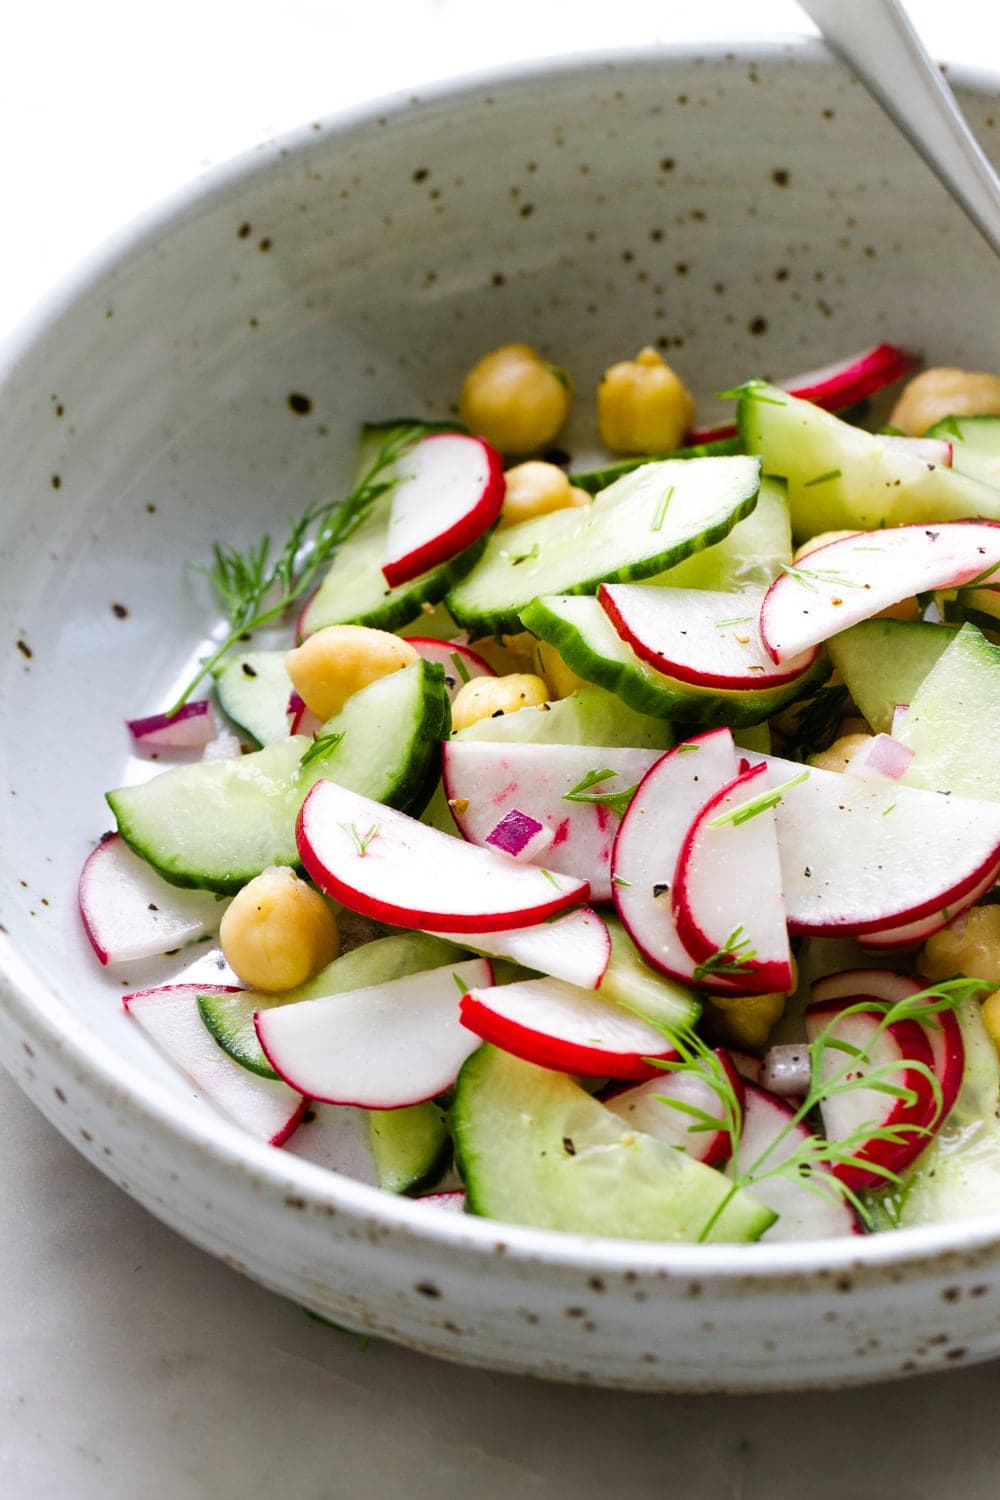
<point x="750" y="212"/>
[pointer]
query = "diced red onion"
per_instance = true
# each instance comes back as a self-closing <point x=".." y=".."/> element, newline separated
<point x="192" y="726"/>
<point x="881" y="756"/>
<point x="520" y="835"/>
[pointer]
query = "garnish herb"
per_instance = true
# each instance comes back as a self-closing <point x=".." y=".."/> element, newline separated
<point x="740" y="620"/>
<point x="361" y="840"/>
<point x="733" y="958"/>
<point x="460" y="984"/>
<point x="258" y="585"/>
<point x="520" y="557"/>
<point x="460" y="666"/>
<point x="810" y="577"/>
<point x="817" y="723"/>
<point x="551" y="878"/>
<point x="750" y="809"/>
<point x="617" y="801"/>
<point x="810" y="1161"/>
<point x="320" y="745"/>
<point x="752" y="388"/>
<point x="822" y="478"/>
<point x="661" y="509"/>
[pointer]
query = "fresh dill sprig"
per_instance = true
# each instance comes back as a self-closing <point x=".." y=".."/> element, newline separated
<point x="361" y="840"/>
<point x="816" y="723"/>
<point x="811" y="577"/>
<point x="732" y="959"/>
<point x="460" y="668"/>
<point x="259" y="585"/>
<point x="320" y="745"/>
<point x="661" y="509"/>
<point x="754" y="805"/>
<point x="617" y="801"/>
<point x="822" y="478"/>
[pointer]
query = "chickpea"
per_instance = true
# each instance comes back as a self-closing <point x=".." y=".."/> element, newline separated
<point x="745" y="1020"/>
<point x="968" y="945"/>
<point x="512" y="653"/>
<point x="991" y="1017"/>
<point x="515" y="399"/>
<point x="278" y="932"/>
<point x="562" y="680"/>
<point x="490" y="697"/>
<point x="838" y="755"/>
<point x="535" y="489"/>
<point x="643" y="406"/>
<point x="939" y="393"/>
<point x="335" y="663"/>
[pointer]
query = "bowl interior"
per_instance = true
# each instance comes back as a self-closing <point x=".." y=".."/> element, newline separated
<point x="749" y="214"/>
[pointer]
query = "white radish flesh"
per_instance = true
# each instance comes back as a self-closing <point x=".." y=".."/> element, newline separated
<point x="459" y="662"/>
<point x="891" y="939"/>
<point x="268" y="1109"/>
<point x="130" y="912"/>
<point x="727" y="898"/>
<point x="386" y="865"/>
<point x="576" y="947"/>
<point x="850" y="580"/>
<point x="383" y="1047"/>
<point x="450" y="491"/>
<point x="643" y="1108"/>
<point x="555" y="1025"/>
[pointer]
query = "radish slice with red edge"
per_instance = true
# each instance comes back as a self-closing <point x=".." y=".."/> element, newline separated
<point x="769" y="1137"/>
<point x="575" y="947"/>
<point x="450" y="491"/>
<point x="943" y="1032"/>
<point x="728" y="887"/>
<point x="894" y="1048"/>
<point x="301" y="720"/>
<point x="648" y="844"/>
<point x="853" y="578"/>
<point x="643" y="1108"/>
<point x="452" y="1201"/>
<point x="191" y="727"/>
<point x="557" y="1026"/>
<point x="910" y="934"/>
<point x="269" y="1110"/>
<point x="460" y="663"/>
<point x="386" y="865"/>
<point x="519" y="836"/>
<point x="559" y="785"/>
<point x="130" y="912"/>
<point x="699" y="636"/>
<point x="837" y="386"/>
<point x="384" y="1047"/>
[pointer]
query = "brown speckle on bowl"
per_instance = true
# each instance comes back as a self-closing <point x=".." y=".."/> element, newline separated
<point x="120" y="611"/>
<point x="24" y="648"/>
<point x="244" y="232"/>
<point x="300" y="404"/>
<point x="427" y="1289"/>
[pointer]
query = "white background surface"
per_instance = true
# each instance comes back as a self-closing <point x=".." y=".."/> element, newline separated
<point x="131" y="1365"/>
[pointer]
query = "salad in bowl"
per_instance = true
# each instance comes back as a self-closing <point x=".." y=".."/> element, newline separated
<point x="601" y="849"/>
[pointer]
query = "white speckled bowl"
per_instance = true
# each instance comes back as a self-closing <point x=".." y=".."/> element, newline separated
<point x="756" y="213"/>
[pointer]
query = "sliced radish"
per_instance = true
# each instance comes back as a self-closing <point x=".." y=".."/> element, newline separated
<point x="746" y="1065"/>
<point x="890" y="939"/>
<point x="301" y="720"/>
<point x="555" y="784"/>
<point x="268" y="1109"/>
<point x="937" y="451"/>
<point x="450" y="491"/>
<point x="575" y="947"/>
<point x="698" y="636"/>
<point x="386" y="865"/>
<point x="855" y="851"/>
<point x="880" y="756"/>
<point x="645" y="854"/>
<point x="837" y="386"/>
<point x="770" y="1135"/>
<point x="520" y="836"/>
<point x="383" y="1047"/>
<point x="459" y="662"/>
<point x="452" y="1201"/>
<point x="943" y="1032"/>
<point x="192" y="726"/>
<point x="336" y="1138"/>
<point x="225" y="746"/>
<point x="643" y="1108"/>
<point x="852" y="579"/>
<point x="728" y="886"/>
<point x="130" y="912"/>
<point x="866" y="1113"/>
<point x="555" y="1025"/>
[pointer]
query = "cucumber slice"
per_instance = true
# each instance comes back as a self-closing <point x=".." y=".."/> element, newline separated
<point x="217" y="824"/>
<point x="590" y="645"/>
<point x="639" y="988"/>
<point x="253" y="690"/>
<point x="534" y="1148"/>
<point x="411" y="1147"/>
<point x="590" y="716"/>
<point x="958" y="1176"/>
<point x="883" y="662"/>
<point x="954" y="720"/>
<point x="643" y="523"/>
<point x="841" y="478"/>
<point x="229" y="1017"/>
<point x="750" y="557"/>
<point x="595" y="480"/>
<point x="975" y="445"/>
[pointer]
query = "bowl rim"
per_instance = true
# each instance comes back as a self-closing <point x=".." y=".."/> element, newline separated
<point x="51" y="1024"/>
